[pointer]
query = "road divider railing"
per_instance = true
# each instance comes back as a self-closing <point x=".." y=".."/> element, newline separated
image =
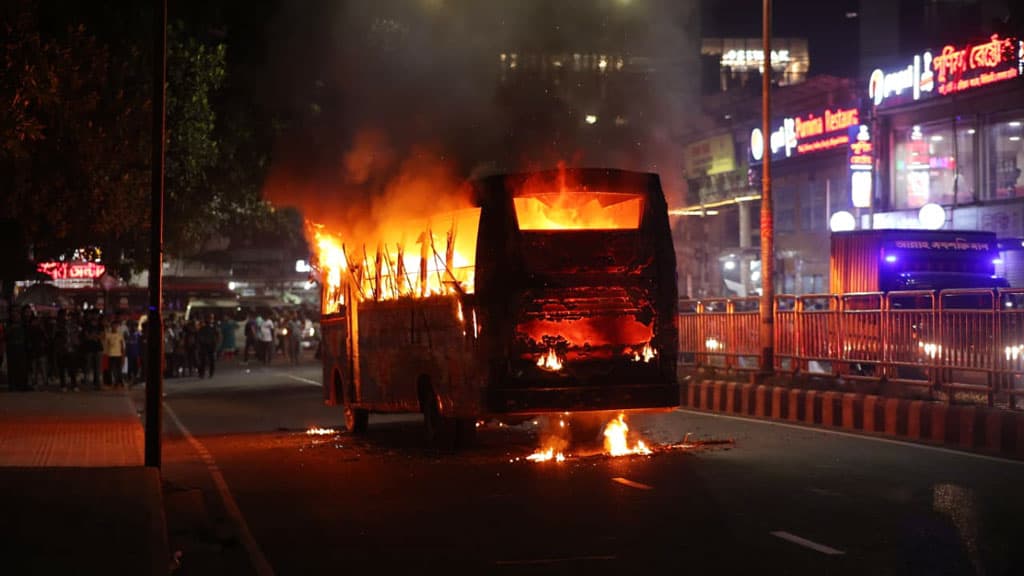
<point x="963" y="344"/>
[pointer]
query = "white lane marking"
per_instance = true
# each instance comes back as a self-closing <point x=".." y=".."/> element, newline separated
<point x="815" y="428"/>
<point x="259" y="561"/>
<point x="631" y="484"/>
<point x="303" y="380"/>
<point x="552" y="560"/>
<point x="807" y="543"/>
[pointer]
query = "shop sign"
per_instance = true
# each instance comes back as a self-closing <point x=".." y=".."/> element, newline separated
<point x="861" y="161"/>
<point x="814" y="132"/>
<point x="950" y="71"/>
<point x="72" y="270"/>
<point x="715" y="155"/>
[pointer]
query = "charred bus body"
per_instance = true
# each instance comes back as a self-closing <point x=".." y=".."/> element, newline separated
<point x="569" y="306"/>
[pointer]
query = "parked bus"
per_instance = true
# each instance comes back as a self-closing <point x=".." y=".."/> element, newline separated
<point x="555" y="292"/>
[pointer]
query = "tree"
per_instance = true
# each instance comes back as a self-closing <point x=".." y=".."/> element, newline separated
<point x="195" y="71"/>
<point x="73" y="145"/>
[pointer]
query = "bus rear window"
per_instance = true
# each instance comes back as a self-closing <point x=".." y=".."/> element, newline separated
<point x="568" y="210"/>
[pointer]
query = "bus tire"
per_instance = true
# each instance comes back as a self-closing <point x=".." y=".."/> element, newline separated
<point x="440" y="430"/>
<point x="356" y="420"/>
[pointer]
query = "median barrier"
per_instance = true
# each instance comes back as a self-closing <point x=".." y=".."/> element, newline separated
<point x="731" y="398"/>
<point x="853" y="411"/>
<point x="779" y="404"/>
<point x="812" y="407"/>
<point x="973" y="428"/>
<point x="762" y="401"/>
<point x="797" y="411"/>
<point x="747" y="398"/>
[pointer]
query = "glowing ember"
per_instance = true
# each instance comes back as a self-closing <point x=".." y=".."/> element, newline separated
<point x="315" y="431"/>
<point x="546" y="456"/>
<point x="550" y="361"/>
<point x="616" y="441"/>
<point x="645" y="355"/>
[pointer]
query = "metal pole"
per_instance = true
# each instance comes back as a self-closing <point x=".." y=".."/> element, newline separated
<point x="154" y="324"/>
<point x="767" y="224"/>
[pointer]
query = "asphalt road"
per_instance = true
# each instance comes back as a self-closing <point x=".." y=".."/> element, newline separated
<point x="248" y="491"/>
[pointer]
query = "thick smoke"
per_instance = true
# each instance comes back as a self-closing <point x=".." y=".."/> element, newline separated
<point x="394" y="103"/>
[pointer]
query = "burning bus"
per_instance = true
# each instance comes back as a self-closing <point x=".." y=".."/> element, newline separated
<point x="550" y="292"/>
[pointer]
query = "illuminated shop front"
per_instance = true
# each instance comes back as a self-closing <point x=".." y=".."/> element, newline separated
<point x="951" y="122"/>
<point x="811" y="182"/>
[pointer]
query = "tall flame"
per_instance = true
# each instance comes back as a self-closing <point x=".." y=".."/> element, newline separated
<point x="616" y="439"/>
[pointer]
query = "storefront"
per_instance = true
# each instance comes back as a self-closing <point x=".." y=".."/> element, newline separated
<point x="810" y="182"/>
<point x="951" y="134"/>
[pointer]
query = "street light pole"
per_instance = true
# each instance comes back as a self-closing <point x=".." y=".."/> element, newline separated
<point x="767" y="222"/>
<point x="154" y="323"/>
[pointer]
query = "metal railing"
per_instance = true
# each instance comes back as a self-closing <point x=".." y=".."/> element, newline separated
<point x="965" y="344"/>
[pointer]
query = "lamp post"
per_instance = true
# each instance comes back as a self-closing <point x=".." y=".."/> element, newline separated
<point x="767" y="333"/>
<point x="154" y="323"/>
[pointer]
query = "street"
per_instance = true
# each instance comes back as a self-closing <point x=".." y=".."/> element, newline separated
<point x="248" y="491"/>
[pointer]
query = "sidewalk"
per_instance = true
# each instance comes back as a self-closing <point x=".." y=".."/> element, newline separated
<point x="75" y="496"/>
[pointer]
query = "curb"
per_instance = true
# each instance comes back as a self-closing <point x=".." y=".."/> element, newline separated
<point x="970" y="428"/>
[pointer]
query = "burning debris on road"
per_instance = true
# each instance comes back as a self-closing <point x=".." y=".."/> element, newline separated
<point x="317" y="431"/>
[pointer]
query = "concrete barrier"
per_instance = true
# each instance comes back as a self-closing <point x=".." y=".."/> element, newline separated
<point x="796" y="410"/>
<point x="762" y="402"/>
<point x="731" y="398"/>
<point x="873" y="416"/>
<point x="831" y="409"/>
<point x="747" y="398"/>
<point x="967" y="427"/>
<point x="812" y="407"/>
<point x="780" y="407"/>
<point x="853" y="411"/>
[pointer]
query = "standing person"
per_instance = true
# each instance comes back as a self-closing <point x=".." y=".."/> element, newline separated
<point x="37" y="351"/>
<point x="266" y="336"/>
<point x="17" y="351"/>
<point x="189" y="338"/>
<point x="92" y="348"/>
<point x="207" y="340"/>
<point x="65" y="347"/>
<point x="252" y="331"/>
<point x="132" y="353"/>
<point x="294" y="339"/>
<point x="228" y="344"/>
<point x="170" y="347"/>
<point x="114" y="348"/>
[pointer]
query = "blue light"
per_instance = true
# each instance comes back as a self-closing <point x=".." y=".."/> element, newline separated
<point x="890" y="258"/>
<point x="997" y="261"/>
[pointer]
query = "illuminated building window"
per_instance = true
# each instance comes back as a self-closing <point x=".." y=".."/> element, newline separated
<point x="1006" y="158"/>
<point x="930" y="165"/>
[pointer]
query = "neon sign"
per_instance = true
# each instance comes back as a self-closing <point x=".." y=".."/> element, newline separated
<point x="805" y="134"/>
<point x="861" y="159"/>
<point x="72" y="271"/>
<point x="952" y="70"/>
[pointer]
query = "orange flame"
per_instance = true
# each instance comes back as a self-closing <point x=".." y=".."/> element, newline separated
<point x="317" y="431"/>
<point x="616" y="441"/>
<point x="544" y="202"/>
<point x="442" y="263"/>
<point x="550" y="361"/>
<point x="546" y="456"/>
<point x="645" y="355"/>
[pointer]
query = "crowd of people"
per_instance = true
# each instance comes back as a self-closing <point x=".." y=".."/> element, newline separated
<point x="76" y="349"/>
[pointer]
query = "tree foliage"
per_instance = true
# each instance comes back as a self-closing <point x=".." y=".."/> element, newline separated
<point x="75" y="143"/>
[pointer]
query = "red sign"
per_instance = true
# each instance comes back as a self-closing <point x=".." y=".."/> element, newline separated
<point x="72" y="271"/>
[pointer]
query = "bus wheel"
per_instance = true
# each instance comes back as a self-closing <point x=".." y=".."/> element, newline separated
<point x="356" y="419"/>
